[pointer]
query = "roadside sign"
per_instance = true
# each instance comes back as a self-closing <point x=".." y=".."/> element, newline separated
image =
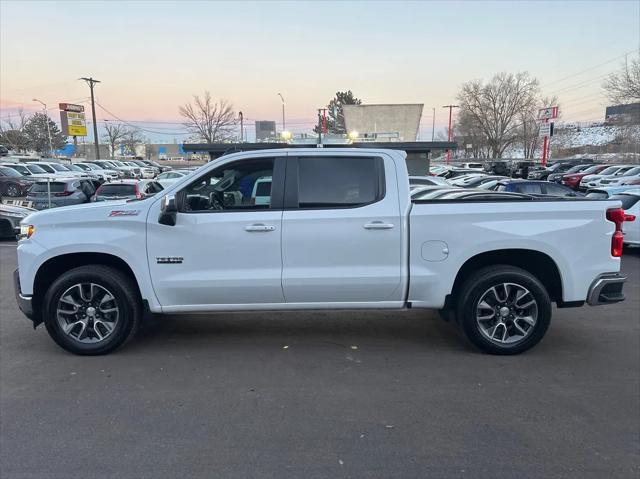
<point x="546" y="129"/>
<point x="548" y="113"/>
<point x="72" y="119"/>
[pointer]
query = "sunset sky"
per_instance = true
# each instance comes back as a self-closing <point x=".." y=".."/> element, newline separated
<point x="151" y="56"/>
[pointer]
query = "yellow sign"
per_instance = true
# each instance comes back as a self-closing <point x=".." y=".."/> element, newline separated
<point x="72" y="120"/>
<point x="77" y="130"/>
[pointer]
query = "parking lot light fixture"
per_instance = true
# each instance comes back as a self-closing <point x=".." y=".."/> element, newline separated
<point x="353" y="135"/>
<point x="286" y="135"/>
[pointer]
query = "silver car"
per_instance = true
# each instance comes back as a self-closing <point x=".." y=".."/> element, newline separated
<point x="60" y="192"/>
<point x="10" y="217"/>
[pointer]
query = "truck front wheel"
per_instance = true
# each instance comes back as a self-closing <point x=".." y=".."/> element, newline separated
<point x="91" y="310"/>
<point x="503" y="309"/>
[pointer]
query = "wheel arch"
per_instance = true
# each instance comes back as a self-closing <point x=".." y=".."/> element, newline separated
<point x="51" y="269"/>
<point x="539" y="264"/>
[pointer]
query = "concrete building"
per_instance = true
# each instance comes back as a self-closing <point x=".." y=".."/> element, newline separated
<point x="384" y="123"/>
<point x="629" y="114"/>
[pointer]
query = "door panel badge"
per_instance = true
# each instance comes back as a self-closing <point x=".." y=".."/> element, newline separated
<point x="169" y="259"/>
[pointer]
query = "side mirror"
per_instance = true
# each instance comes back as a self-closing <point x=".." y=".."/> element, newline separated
<point x="168" y="211"/>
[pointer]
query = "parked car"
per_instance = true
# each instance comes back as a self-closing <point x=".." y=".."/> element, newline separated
<point x="28" y="169"/>
<point x="4" y="151"/>
<point x="593" y="181"/>
<point x="528" y="187"/>
<point x="521" y="168"/>
<point x="155" y="164"/>
<point x="427" y="181"/>
<point x="498" y="167"/>
<point x="127" y="190"/>
<point x="608" y="191"/>
<point x="93" y="168"/>
<point x="457" y="172"/>
<point x="10" y="217"/>
<point x="342" y="234"/>
<point x="480" y="195"/>
<point x="630" y="177"/>
<point x="557" y="177"/>
<point x="477" y="181"/>
<point x="126" y="171"/>
<point x="572" y="180"/>
<point x="558" y="167"/>
<point x="471" y="166"/>
<point x="60" y="192"/>
<point x="13" y="183"/>
<point x="631" y="205"/>
<point x="169" y="177"/>
<point x="148" y="172"/>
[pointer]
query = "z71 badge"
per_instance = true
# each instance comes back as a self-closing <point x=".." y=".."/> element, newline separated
<point x="124" y="213"/>
<point x="169" y="259"/>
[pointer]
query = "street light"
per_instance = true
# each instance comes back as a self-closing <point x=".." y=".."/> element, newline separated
<point x="284" y="127"/>
<point x="46" y="114"/>
<point x="285" y="135"/>
<point x="353" y="135"/>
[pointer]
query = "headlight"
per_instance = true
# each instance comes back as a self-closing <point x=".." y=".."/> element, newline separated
<point x="26" y="231"/>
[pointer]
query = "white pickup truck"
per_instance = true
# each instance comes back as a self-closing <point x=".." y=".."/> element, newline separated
<point x="329" y="229"/>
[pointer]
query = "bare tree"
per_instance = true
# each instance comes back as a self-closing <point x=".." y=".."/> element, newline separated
<point x="207" y="120"/>
<point x="131" y="138"/>
<point x="12" y="133"/>
<point x="496" y="107"/>
<point x="529" y="130"/>
<point x="467" y="131"/>
<point x="624" y="86"/>
<point x="114" y="134"/>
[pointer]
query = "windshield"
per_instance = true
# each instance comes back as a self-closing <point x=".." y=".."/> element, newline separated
<point x="627" y="200"/>
<point x="117" y="189"/>
<point x="609" y="171"/>
<point x="58" y="167"/>
<point x="73" y="168"/>
<point x="10" y="172"/>
<point x="633" y="171"/>
<point x="576" y="169"/>
<point x="591" y="169"/>
<point x="139" y="163"/>
<point x="20" y="168"/>
<point x="35" y="169"/>
<point x="118" y="163"/>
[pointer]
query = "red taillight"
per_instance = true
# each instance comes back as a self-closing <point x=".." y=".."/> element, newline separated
<point x="138" y="194"/>
<point x="63" y="193"/>
<point x="618" y="216"/>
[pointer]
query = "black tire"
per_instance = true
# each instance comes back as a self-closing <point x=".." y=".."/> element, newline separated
<point x="125" y="296"/>
<point x="479" y="284"/>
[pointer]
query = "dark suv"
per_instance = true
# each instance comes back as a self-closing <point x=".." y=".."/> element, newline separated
<point x="13" y="183"/>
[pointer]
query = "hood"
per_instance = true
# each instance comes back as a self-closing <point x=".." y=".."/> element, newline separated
<point x="89" y="211"/>
<point x="16" y="209"/>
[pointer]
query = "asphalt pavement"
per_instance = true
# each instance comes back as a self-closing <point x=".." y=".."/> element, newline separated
<point x="323" y="395"/>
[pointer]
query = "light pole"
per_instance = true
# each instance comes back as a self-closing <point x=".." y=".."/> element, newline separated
<point x="433" y="125"/>
<point x="46" y="115"/>
<point x="284" y="126"/>
<point x="450" y="107"/>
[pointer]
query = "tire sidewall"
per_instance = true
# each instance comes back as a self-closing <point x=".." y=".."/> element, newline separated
<point x="123" y="327"/>
<point x="479" y="284"/>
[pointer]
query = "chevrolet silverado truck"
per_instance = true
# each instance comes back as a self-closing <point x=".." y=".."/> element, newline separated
<point x="316" y="228"/>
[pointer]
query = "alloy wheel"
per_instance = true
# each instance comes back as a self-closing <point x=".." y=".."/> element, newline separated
<point x="87" y="312"/>
<point x="506" y="313"/>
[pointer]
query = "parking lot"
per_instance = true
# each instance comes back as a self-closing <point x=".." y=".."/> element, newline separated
<point x="323" y="394"/>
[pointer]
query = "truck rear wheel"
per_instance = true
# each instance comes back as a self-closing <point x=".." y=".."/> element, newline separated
<point x="504" y="310"/>
<point x="91" y="310"/>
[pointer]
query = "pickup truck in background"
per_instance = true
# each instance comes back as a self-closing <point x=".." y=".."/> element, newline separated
<point x="315" y="228"/>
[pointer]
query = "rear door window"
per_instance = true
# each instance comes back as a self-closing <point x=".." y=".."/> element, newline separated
<point x="325" y="182"/>
<point x="117" y="190"/>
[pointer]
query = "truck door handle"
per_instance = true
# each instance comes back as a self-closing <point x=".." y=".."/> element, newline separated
<point x="259" y="227"/>
<point x="378" y="225"/>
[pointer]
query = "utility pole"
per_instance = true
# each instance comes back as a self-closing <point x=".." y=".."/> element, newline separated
<point x="241" y="126"/>
<point x="284" y="126"/>
<point x="46" y="115"/>
<point x="450" y="107"/>
<point x="433" y="125"/>
<point x="91" y="82"/>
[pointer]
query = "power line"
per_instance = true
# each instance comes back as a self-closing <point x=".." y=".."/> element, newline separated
<point x="185" y="132"/>
<point x="591" y="68"/>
